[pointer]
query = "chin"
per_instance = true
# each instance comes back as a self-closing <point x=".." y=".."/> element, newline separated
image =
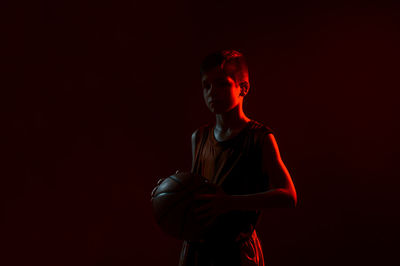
<point x="217" y="109"/>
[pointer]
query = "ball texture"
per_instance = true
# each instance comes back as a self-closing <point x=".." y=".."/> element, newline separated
<point x="173" y="204"/>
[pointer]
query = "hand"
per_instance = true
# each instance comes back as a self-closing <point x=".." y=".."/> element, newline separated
<point x="215" y="205"/>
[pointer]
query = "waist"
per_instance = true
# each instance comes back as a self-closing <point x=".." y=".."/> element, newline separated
<point x="219" y="243"/>
<point x="233" y="227"/>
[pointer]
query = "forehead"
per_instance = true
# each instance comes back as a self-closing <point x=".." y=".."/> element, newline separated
<point x="215" y="74"/>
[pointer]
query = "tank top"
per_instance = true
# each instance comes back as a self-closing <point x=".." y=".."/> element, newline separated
<point x="236" y="166"/>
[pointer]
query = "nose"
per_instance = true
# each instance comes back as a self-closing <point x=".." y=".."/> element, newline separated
<point x="212" y="97"/>
<point x="211" y="91"/>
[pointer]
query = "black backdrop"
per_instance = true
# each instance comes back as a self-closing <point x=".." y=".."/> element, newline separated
<point x="100" y="100"/>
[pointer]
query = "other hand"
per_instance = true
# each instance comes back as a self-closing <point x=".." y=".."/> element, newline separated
<point x="213" y="206"/>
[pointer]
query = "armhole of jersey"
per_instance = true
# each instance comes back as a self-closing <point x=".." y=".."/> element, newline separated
<point x="264" y="131"/>
<point x="202" y="136"/>
<point x="268" y="130"/>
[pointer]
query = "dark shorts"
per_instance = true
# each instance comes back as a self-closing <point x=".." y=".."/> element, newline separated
<point x="244" y="253"/>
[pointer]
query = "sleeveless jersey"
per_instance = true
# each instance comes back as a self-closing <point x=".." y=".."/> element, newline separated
<point x="236" y="166"/>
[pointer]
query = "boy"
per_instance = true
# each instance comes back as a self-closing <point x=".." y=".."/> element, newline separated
<point x="240" y="156"/>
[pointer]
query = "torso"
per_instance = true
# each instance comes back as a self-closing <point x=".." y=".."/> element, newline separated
<point x="236" y="154"/>
<point x="234" y="164"/>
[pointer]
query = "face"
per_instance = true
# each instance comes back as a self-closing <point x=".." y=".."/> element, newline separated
<point x="220" y="91"/>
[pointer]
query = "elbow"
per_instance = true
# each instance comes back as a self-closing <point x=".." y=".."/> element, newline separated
<point x="288" y="198"/>
<point x="290" y="201"/>
<point x="293" y="201"/>
<point x="291" y="198"/>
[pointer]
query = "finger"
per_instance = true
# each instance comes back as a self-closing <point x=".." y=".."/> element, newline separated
<point x="200" y="206"/>
<point x="206" y="217"/>
<point x="154" y="191"/>
<point x="203" y="196"/>
<point x="198" y="197"/>
<point x="210" y="221"/>
<point x="202" y="209"/>
<point x="211" y="212"/>
<point x="203" y="217"/>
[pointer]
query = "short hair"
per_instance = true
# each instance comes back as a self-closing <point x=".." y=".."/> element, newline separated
<point x="230" y="61"/>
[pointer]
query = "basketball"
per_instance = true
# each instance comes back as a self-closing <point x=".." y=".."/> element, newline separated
<point x="173" y="203"/>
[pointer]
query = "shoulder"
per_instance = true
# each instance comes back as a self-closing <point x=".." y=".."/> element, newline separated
<point x="259" y="129"/>
<point x="264" y="138"/>
<point x="199" y="132"/>
<point x="261" y="135"/>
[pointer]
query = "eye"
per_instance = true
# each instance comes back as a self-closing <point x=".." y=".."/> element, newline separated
<point x="223" y="84"/>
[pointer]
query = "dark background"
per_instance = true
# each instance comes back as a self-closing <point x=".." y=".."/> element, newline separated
<point x="100" y="100"/>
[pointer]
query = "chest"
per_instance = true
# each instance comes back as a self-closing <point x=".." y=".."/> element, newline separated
<point x="222" y="136"/>
<point x="234" y="165"/>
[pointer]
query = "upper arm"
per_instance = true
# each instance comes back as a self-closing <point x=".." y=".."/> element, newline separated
<point x="194" y="142"/>
<point x="273" y="166"/>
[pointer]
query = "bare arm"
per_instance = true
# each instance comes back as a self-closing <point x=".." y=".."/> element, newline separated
<point x="194" y="142"/>
<point x="282" y="192"/>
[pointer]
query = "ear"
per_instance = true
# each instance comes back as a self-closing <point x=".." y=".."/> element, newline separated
<point x="244" y="88"/>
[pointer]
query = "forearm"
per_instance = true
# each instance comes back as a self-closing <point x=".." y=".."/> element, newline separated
<point x="273" y="198"/>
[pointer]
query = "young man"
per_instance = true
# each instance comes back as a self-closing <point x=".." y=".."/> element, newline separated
<point x="241" y="157"/>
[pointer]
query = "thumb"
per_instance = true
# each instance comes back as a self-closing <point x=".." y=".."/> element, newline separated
<point x="198" y="197"/>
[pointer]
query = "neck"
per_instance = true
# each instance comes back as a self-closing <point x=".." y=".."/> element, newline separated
<point x="233" y="119"/>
